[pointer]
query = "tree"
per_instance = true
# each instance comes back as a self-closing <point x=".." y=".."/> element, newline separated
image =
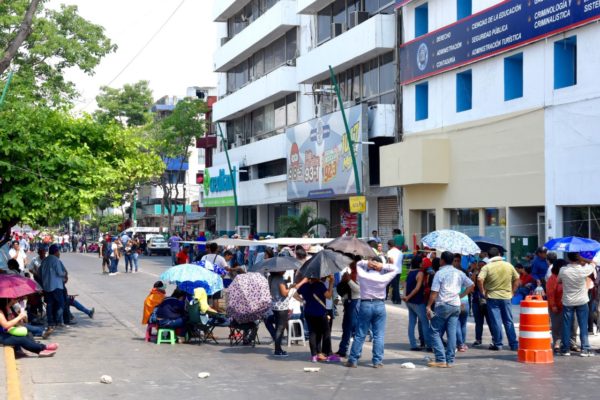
<point x="40" y="44"/>
<point x="299" y="225"/>
<point x="129" y="105"/>
<point x="171" y="138"/>
<point x="54" y="165"/>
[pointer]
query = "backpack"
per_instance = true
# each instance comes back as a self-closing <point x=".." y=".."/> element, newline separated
<point x="343" y="289"/>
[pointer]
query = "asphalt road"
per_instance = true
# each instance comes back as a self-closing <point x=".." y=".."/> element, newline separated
<point x="112" y="344"/>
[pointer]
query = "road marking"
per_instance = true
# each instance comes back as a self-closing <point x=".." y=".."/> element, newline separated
<point x="13" y="385"/>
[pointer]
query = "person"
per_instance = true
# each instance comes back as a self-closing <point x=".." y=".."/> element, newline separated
<point x="18" y="254"/>
<point x="461" y="329"/>
<point x="201" y="248"/>
<point x="280" y="307"/>
<point x="347" y="232"/>
<point x="54" y="275"/>
<point x="104" y="253"/>
<point x="156" y="296"/>
<point x="415" y="302"/>
<point x="74" y="241"/>
<point x="8" y="320"/>
<point x="135" y="253"/>
<point x="375" y="237"/>
<point x="447" y="286"/>
<point x="554" y="292"/>
<point x="174" y="246"/>
<point x="72" y="302"/>
<point x="575" y="298"/>
<point x="127" y="252"/>
<point x="480" y="314"/>
<point x="539" y="266"/>
<point x="396" y="257"/>
<point x="398" y="238"/>
<point x="183" y="256"/>
<point x="373" y="278"/>
<point x="218" y="261"/>
<point x="498" y="281"/>
<point x="24" y="244"/>
<point x="315" y="294"/>
<point x="171" y="312"/>
<point x="526" y="281"/>
<point x="114" y="256"/>
<point x="349" y="290"/>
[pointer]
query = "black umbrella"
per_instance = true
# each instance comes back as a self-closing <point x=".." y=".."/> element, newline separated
<point x="276" y="264"/>
<point x="486" y="243"/>
<point x="351" y="245"/>
<point x="324" y="263"/>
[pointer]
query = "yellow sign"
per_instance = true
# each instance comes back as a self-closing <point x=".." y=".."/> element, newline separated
<point x="358" y="204"/>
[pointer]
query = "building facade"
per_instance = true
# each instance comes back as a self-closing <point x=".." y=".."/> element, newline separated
<point x="500" y="111"/>
<point x="279" y="114"/>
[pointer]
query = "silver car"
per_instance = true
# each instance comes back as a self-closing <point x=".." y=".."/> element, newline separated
<point x="157" y="245"/>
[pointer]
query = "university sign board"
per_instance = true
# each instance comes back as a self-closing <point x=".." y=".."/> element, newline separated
<point x="501" y="28"/>
<point x="218" y="185"/>
<point x="319" y="162"/>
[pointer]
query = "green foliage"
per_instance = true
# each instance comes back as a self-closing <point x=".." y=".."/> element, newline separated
<point x="59" y="40"/>
<point x="130" y="104"/>
<point x="298" y="225"/>
<point x="106" y="223"/>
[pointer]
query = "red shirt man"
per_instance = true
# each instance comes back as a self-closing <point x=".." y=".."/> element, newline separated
<point x="182" y="257"/>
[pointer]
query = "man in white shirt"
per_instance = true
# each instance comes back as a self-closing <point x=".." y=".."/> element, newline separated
<point x="18" y="254"/>
<point x="395" y="257"/>
<point x="575" y="300"/>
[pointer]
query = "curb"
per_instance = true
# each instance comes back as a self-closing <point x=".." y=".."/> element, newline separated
<point x="13" y="385"/>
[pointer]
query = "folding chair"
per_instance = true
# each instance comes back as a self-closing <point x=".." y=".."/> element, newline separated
<point x="244" y="333"/>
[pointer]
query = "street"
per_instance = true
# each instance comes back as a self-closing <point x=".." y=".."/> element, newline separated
<point x="113" y="344"/>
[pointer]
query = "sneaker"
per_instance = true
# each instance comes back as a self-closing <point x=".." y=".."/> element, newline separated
<point x="435" y="364"/>
<point x="92" y="311"/>
<point x="575" y="349"/>
<point x="462" y="348"/>
<point x="47" y="332"/>
<point x="52" y="346"/>
<point x="321" y="357"/>
<point x="350" y="365"/>
<point x="380" y="365"/>
<point x="313" y="359"/>
<point x="476" y="343"/>
<point x="112" y="273"/>
<point x="47" y="353"/>
<point x="493" y="347"/>
<point x="565" y="353"/>
<point x="280" y="353"/>
<point x="334" y="358"/>
<point x="586" y="353"/>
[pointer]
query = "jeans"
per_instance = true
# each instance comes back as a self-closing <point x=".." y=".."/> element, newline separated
<point x="349" y="321"/>
<point x="55" y="301"/>
<point x="79" y="306"/>
<point x="445" y="320"/>
<point x="114" y="265"/>
<point x="320" y="335"/>
<point x="480" y="315"/>
<point x="174" y="256"/>
<point x="21" y="341"/>
<point x="500" y="313"/>
<point x="461" y="329"/>
<point x="134" y="257"/>
<point x="395" y="285"/>
<point x="371" y="315"/>
<point x="281" y="319"/>
<point x="171" y="323"/>
<point x="582" y="317"/>
<point x="128" y="262"/>
<point x="417" y="312"/>
<point x="270" y="324"/>
<point x="556" y="322"/>
<point x="35" y="330"/>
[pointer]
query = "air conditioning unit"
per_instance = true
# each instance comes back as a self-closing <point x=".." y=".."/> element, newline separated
<point x="357" y="18"/>
<point x="224" y="40"/>
<point x="337" y="29"/>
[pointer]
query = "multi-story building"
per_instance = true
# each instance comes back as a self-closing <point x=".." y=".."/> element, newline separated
<point x="281" y="118"/>
<point x="500" y="108"/>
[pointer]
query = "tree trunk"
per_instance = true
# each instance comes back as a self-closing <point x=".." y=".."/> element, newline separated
<point x="22" y="34"/>
<point x="5" y="227"/>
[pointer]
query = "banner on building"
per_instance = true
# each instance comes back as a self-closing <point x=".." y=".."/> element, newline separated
<point x="358" y="204"/>
<point x="319" y="162"/>
<point x="349" y="221"/>
<point x="503" y="27"/>
<point x="218" y="185"/>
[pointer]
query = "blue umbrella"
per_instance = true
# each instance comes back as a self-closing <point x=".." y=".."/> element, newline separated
<point x="452" y="241"/>
<point x="573" y="244"/>
<point x="188" y="277"/>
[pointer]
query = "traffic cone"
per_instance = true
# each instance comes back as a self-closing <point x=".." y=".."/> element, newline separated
<point x="535" y="341"/>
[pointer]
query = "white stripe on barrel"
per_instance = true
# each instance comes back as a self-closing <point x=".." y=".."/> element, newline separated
<point x="534" y="310"/>
<point x="534" y="335"/>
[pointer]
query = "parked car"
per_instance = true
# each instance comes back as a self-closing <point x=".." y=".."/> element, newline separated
<point x="157" y="245"/>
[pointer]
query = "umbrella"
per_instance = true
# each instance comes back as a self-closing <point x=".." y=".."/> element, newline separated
<point x="486" y="243"/>
<point x="453" y="241"/>
<point x="190" y="276"/>
<point x="573" y="244"/>
<point x="15" y="286"/>
<point x="276" y="264"/>
<point x="351" y="245"/>
<point x="249" y="297"/>
<point x="324" y="263"/>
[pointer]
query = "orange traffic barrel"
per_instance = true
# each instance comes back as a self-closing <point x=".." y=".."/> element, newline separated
<point x="535" y="341"/>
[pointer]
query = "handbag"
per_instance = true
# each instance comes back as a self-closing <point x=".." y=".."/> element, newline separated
<point x="18" y="331"/>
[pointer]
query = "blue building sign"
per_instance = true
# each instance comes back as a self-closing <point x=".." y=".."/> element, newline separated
<point x="503" y="27"/>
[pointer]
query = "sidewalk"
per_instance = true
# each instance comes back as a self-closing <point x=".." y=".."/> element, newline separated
<point x="2" y="376"/>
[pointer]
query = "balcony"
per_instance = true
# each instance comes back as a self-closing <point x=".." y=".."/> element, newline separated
<point x="373" y="37"/>
<point x="271" y="25"/>
<point x="312" y="6"/>
<point x="270" y="190"/>
<point x="270" y="87"/>
<point x="254" y="153"/>
<point x="224" y="9"/>
<point x="206" y="142"/>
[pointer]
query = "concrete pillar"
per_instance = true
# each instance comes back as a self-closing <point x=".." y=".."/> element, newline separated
<point x="262" y="219"/>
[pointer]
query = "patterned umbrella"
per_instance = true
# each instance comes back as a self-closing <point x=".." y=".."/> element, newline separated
<point x="187" y="277"/>
<point x="452" y="241"/>
<point x="15" y="286"/>
<point x="249" y="297"/>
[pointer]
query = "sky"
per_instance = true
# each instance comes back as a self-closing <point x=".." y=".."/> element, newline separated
<point x="178" y="57"/>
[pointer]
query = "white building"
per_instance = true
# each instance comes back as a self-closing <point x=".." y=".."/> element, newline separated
<point x="281" y="118"/>
<point x="500" y="116"/>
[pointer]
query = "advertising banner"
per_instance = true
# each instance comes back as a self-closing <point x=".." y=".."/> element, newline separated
<point x="218" y="185"/>
<point x="319" y="161"/>
<point x="503" y="27"/>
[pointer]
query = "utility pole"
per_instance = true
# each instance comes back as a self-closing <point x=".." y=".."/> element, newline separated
<point x="233" y="180"/>
<point x="5" y="90"/>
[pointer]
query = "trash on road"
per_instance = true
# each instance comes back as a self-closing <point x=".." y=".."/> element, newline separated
<point x="106" y="379"/>
<point x="203" y="375"/>
<point x="312" y="369"/>
<point x="408" y="365"/>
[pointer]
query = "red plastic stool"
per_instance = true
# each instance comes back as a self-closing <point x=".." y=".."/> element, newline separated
<point x="150" y="337"/>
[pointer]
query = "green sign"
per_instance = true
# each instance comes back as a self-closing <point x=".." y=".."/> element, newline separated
<point x="219" y="202"/>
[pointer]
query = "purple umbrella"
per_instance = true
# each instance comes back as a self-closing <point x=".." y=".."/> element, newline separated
<point x="249" y="297"/>
<point x="15" y="286"/>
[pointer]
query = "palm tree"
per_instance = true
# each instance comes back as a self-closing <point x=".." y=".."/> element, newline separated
<point x="298" y="225"/>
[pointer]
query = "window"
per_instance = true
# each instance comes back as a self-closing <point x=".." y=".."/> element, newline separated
<point x="370" y="79"/>
<point x="279" y="113"/>
<point x="495" y="224"/>
<point x="565" y="62"/>
<point x="387" y="72"/>
<point x="324" y="25"/>
<point x="513" y="77"/>
<point x="290" y="45"/>
<point x="422" y="101"/>
<point x="464" y="91"/>
<point x="291" y="109"/>
<point x="464" y="8"/>
<point x="272" y="168"/>
<point x="582" y="222"/>
<point x="250" y="13"/>
<point x="465" y="220"/>
<point x="421" y="20"/>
